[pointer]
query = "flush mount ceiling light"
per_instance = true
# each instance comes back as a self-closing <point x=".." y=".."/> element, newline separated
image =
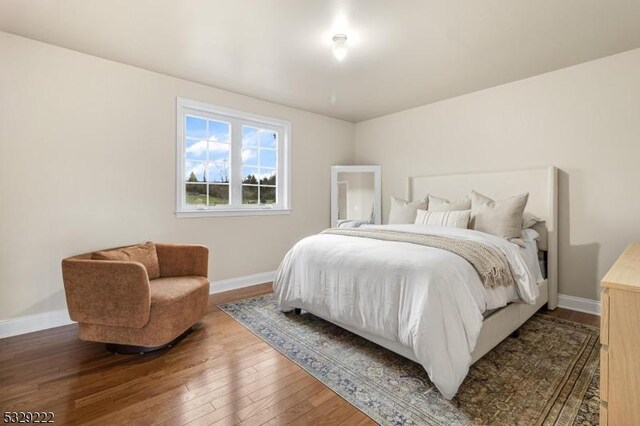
<point x="340" y="46"/>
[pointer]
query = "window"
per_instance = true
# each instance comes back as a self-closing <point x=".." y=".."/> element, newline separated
<point x="230" y="163"/>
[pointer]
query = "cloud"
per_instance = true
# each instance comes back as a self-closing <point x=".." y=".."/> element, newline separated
<point x="250" y="136"/>
<point x="248" y="154"/>
<point x="197" y="148"/>
<point x="200" y="147"/>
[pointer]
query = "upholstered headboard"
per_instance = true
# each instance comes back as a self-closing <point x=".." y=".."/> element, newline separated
<point x="540" y="183"/>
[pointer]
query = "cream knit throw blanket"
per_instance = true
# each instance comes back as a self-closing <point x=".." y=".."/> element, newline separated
<point x="488" y="261"/>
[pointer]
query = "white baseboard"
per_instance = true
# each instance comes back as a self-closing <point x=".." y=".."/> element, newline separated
<point x="45" y="320"/>
<point x="241" y="282"/>
<point x="579" y="304"/>
<point x="36" y="322"/>
<point x="30" y="323"/>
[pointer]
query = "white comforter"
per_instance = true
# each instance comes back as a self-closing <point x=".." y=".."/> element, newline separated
<point x="427" y="299"/>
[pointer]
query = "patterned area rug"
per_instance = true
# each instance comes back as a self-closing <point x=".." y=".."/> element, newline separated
<point x="548" y="375"/>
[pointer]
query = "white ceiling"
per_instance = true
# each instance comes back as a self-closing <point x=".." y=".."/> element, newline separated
<point x="402" y="53"/>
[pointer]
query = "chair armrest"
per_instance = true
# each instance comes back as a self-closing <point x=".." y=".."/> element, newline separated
<point x="107" y="292"/>
<point x="179" y="260"/>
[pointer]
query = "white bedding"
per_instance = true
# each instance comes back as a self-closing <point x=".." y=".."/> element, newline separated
<point x="427" y="299"/>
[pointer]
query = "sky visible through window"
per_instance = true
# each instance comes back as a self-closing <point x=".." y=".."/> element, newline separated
<point x="208" y="149"/>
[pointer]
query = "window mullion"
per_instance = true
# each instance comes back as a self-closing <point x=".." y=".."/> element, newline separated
<point x="235" y="185"/>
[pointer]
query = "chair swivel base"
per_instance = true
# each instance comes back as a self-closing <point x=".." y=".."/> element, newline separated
<point x="132" y="349"/>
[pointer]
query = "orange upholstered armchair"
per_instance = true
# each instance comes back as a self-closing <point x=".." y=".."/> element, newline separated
<point x="137" y="298"/>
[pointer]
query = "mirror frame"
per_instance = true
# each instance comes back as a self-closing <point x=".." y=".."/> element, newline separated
<point x="377" y="208"/>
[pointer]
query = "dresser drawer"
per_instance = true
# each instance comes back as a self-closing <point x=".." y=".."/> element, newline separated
<point x="604" y="317"/>
<point x="620" y="337"/>
<point x="604" y="374"/>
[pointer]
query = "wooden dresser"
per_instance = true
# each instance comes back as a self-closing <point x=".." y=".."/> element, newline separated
<point x="620" y="338"/>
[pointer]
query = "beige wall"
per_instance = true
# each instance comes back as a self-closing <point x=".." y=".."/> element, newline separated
<point x="87" y="161"/>
<point x="584" y="120"/>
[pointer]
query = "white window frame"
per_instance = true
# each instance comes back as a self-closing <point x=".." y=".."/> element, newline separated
<point x="237" y="119"/>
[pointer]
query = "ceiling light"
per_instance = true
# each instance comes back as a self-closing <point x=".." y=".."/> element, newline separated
<point x="339" y="46"/>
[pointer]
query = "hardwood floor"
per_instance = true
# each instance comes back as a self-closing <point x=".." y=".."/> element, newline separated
<point x="574" y="316"/>
<point x="220" y="374"/>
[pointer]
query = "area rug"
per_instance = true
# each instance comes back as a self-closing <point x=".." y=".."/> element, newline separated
<point x="549" y="375"/>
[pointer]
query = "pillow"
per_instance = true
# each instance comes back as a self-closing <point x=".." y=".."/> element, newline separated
<point x="404" y="211"/>
<point x="529" y="220"/>
<point x="143" y="253"/>
<point x="452" y="219"/>
<point x="543" y="235"/>
<point x="437" y="204"/>
<point x="503" y="218"/>
<point x="532" y="257"/>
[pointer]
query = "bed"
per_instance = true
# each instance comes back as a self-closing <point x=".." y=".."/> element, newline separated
<point x="423" y="303"/>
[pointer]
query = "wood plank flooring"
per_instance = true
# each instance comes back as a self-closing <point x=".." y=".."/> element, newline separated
<point x="220" y="374"/>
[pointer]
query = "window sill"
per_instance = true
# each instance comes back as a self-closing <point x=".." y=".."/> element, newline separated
<point x="230" y="212"/>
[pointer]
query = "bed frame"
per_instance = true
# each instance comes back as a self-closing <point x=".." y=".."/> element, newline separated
<point x="542" y="186"/>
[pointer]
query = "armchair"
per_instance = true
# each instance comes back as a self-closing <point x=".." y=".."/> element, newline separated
<point x="116" y="302"/>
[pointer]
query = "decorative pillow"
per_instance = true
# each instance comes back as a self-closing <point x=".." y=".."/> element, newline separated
<point x="529" y="220"/>
<point x="403" y="211"/>
<point x="503" y="218"/>
<point x="543" y="235"/>
<point x="452" y="219"/>
<point x="143" y="253"/>
<point x="437" y="204"/>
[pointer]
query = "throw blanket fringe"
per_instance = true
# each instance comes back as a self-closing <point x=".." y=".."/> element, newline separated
<point x="491" y="264"/>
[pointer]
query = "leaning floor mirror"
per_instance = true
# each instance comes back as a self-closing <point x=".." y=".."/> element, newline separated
<point x="355" y="196"/>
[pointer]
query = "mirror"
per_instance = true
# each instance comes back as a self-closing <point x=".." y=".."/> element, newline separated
<point x="355" y="196"/>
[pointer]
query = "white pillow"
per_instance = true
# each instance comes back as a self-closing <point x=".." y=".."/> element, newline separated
<point x="452" y="219"/>
<point x="404" y="212"/>
<point x="437" y="204"/>
<point x="503" y="218"/>
<point x="529" y="220"/>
